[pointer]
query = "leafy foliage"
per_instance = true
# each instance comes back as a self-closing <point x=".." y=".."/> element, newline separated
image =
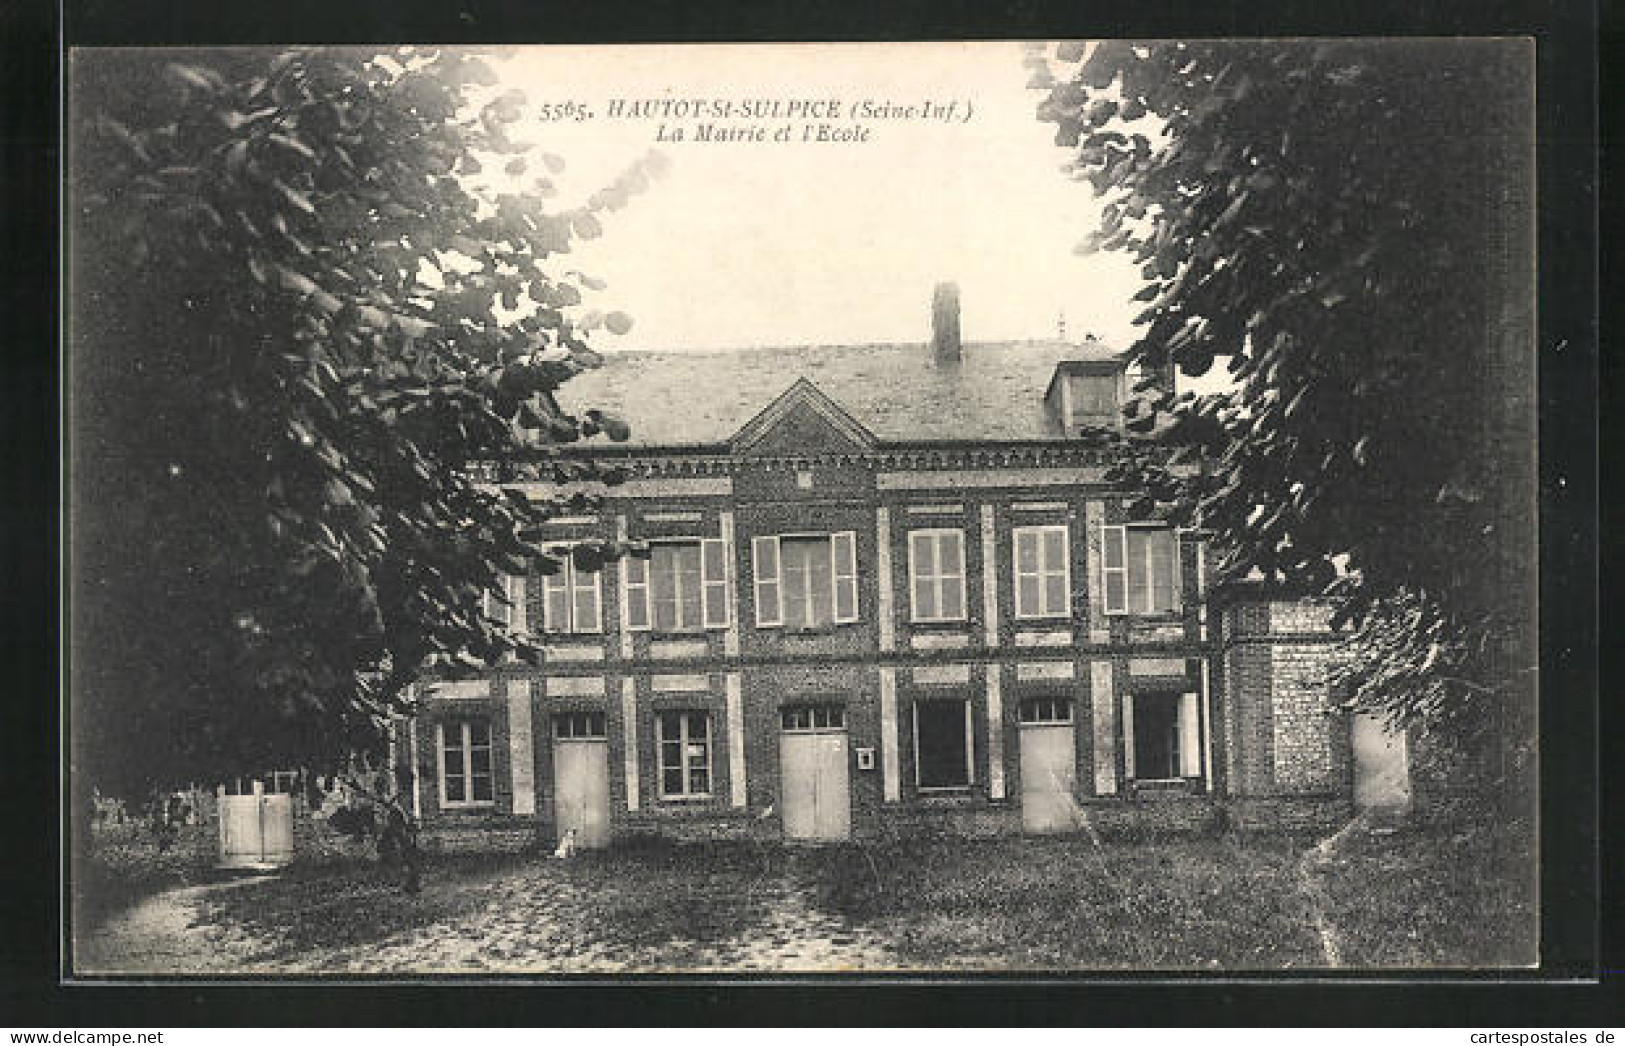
<point x="1339" y="224"/>
<point x="298" y="312"/>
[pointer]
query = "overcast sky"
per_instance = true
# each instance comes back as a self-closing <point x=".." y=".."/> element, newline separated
<point x="764" y="243"/>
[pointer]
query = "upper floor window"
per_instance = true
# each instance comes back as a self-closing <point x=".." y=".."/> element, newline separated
<point x="681" y="587"/>
<point x="1043" y="574"/>
<point x="509" y="610"/>
<point x="1093" y="398"/>
<point x="936" y="570"/>
<point x="1141" y="570"/>
<point x="572" y="598"/>
<point x="465" y="763"/>
<point x="806" y="581"/>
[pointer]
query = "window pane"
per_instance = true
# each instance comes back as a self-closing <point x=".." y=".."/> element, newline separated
<point x="820" y="579"/>
<point x="482" y="788"/>
<point x="557" y="608"/>
<point x="1163" y="550"/>
<point x="663" y="586"/>
<point x="479" y="760"/>
<point x="1139" y="589"/>
<point x="941" y="729"/>
<point x="586" y="605"/>
<point x="454" y="785"/>
<point x="925" y="555"/>
<point x="925" y="598"/>
<point x="950" y="555"/>
<point x="671" y="780"/>
<point x="1054" y="549"/>
<point x="699" y="781"/>
<point x="1027" y="594"/>
<point x="952" y="602"/>
<point x="698" y="725"/>
<point x="688" y="585"/>
<point x="1026" y="552"/>
<point x="1054" y="594"/>
<point x="794" y="566"/>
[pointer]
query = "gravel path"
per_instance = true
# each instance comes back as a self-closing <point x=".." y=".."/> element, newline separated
<point x="527" y="921"/>
<point x="165" y="934"/>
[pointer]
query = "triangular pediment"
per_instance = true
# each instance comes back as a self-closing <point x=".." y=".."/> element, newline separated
<point x="802" y="421"/>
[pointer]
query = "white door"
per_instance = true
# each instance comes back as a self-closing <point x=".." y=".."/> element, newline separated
<point x="581" y="778"/>
<point x="814" y="794"/>
<point x="1382" y="778"/>
<point x="1048" y="766"/>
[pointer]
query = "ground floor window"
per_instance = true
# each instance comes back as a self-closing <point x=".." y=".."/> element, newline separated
<point x="684" y="745"/>
<point x="942" y="743"/>
<point x="465" y="762"/>
<point x="1164" y="742"/>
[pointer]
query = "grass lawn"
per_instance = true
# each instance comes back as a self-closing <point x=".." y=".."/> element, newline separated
<point x="1063" y="903"/>
<point x="1056" y="903"/>
<point x="124" y="866"/>
<point x="1442" y="894"/>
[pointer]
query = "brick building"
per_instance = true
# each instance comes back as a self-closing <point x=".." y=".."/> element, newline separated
<point x="888" y="592"/>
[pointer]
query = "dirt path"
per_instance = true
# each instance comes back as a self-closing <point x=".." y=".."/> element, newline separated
<point x="529" y="922"/>
<point x="163" y="935"/>
<point x="1310" y="865"/>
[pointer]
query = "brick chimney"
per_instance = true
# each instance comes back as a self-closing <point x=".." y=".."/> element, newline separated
<point x="945" y="324"/>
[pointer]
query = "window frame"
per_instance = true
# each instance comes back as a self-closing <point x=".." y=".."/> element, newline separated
<point x="684" y="740"/>
<point x="970" y="745"/>
<point x="770" y="612"/>
<point x="1045" y="710"/>
<point x="464" y="726"/>
<point x="571" y="587"/>
<point x="1186" y="751"/>
<point x="1119" y="533"/>
<point x="1044" y="571"/>
<point x="639" y="593"/>
<point x="804" y="718"/>
<point x="939" y="579"/>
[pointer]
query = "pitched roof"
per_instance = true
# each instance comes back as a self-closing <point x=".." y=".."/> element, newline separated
<point x="895" y="391"/>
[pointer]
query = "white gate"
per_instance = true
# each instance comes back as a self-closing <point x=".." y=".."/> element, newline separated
<point x="256" y="830"/>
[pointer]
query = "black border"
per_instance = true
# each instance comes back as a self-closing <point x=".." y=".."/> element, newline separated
<point x="1566" y="36"/>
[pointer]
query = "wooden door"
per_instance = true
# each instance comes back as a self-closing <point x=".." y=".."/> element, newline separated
<point x="1049" y="766"/>
<point x="581" y="778"/>
<point x="815" y="794"/>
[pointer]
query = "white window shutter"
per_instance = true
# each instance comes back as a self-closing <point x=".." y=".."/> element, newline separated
<point x="515" y="585"/>
<point x="1128" y="736"/>
<point x="635" y="592"/>
<point x="844" y="548"/>
<point x="714" y="579"/>
<point x="765" y="557"/>
<point x="1190" y="733"/>
<point x="1114" y="563"/>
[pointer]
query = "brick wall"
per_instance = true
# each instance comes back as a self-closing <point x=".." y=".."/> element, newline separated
<point x="1284" y="734"/>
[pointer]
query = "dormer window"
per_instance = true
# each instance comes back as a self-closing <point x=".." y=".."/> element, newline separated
<point x="1093" y="399"/>
<point x="1086" y="394"/>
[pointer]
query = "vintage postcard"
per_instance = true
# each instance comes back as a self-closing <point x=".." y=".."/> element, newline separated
<point x="830" y="509"/>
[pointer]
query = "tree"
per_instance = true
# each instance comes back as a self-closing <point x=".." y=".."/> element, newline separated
<point x="285" y="353"/>
<point x="1346" y="225"/>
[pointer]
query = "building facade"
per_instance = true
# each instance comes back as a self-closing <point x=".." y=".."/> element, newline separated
<point x="888" y="591"/>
